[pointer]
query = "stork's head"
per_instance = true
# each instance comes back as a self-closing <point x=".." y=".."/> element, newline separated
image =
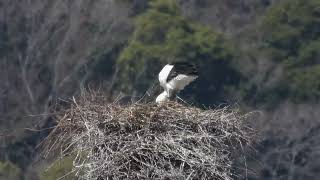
<point x="163" y="97"/>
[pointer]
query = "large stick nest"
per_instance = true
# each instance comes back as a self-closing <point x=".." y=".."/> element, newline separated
<point x="149" y="141"/>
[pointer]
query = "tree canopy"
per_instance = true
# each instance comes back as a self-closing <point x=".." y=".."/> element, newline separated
<point x="292" y="33"/>
<point x="161" y="35"/>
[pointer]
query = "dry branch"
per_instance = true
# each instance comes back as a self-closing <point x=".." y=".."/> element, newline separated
<point x="149" y="141"/>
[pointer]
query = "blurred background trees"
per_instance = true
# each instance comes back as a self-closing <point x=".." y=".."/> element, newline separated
<point x="162" y="35"/>
<point x="291" y="34"/>
<point x="62" y="168"/>
<point x="260" y="54"/>
<point x="9" y="171"/>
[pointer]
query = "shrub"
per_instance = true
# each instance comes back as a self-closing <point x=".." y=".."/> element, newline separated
<point x="9" y="171"/>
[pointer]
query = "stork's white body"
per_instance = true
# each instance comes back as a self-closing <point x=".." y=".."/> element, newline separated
<point x="179" y="82"/>
<point x="176" y="84"/>
<point x="163" y="97"/>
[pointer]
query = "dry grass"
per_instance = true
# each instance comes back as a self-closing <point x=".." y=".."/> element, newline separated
<point x="148" y="141"/>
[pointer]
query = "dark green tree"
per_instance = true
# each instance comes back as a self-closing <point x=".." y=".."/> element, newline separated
<point x="162" y="35"/>
<point x="292" y="34"/>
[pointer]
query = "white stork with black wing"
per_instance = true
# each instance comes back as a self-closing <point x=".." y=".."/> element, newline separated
<point x="174" y="77"/>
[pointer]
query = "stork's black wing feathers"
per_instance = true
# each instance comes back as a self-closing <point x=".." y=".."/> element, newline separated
<point x="185" y="68"/>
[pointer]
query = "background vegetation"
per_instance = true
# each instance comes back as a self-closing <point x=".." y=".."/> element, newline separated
<point x="59" y="169"/>
<point x="291" y="33"/>
<point x="162" y="35"/>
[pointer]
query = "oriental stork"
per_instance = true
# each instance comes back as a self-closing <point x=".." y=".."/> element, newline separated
<point x="174" y="77"/>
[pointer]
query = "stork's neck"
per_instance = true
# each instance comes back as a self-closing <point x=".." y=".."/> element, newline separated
<point x="163" y="97"/>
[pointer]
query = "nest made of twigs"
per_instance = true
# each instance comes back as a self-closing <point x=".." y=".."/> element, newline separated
<point x="149" y="141"/>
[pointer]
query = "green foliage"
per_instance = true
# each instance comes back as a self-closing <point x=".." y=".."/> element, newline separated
<point x="306" y="83"/>
<point x="292" y="33"/>
<point x="290" y="25"/>
<point x="308" y="55"/>
<point x="161" y="35"/>
<point x="61" y="168"/>
<point x="9" y="171"/>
